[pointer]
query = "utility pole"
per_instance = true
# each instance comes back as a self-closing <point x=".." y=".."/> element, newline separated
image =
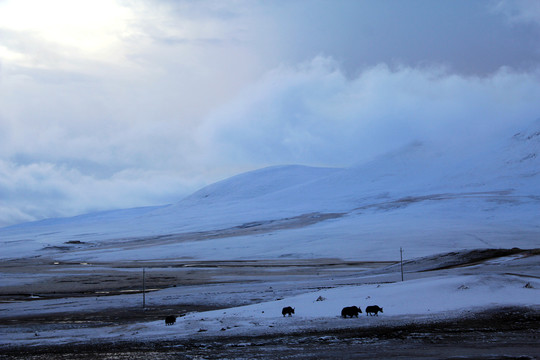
<point x="401" y="260"/>
<point x="143" y="289"/>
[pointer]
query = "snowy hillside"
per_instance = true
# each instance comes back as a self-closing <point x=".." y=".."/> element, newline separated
<point x="423" y="197"/>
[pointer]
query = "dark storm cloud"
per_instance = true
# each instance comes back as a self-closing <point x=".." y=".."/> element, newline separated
<point x="469" y="37"/>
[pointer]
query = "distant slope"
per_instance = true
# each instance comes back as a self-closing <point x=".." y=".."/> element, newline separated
<point x="258" y="183"/>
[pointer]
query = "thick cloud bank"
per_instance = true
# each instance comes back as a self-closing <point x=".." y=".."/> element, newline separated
<point x="42" y="190"/>
<point x="314" y="114"/>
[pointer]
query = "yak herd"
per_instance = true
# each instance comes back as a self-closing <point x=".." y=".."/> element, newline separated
<point x="349" y="311"/>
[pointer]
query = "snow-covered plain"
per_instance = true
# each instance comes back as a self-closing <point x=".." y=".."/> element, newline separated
<point x="426" y="299"/>
<point x="422" y="198"/>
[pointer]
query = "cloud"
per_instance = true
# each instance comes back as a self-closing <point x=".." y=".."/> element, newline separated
<point x="519" y="11"/>
<point x="106" y="121"/>
<point x="314" y="114"/>
<point x="44" y="190"/>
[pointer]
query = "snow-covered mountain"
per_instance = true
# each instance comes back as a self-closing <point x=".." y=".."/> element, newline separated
<point x="423" y="197"/>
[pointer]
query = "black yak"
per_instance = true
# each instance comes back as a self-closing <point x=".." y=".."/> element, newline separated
<point x="350" y="311"/>
<point x="287" y="311"/>
<point x="373" y="309"/>
<point x="170" y="320"/>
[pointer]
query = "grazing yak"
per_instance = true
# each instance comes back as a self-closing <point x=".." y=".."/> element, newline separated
<point x="170" y="320"/>
<point x="350" y="311"/>
<point x="373" y="309"/>
<point x="287" y="311"/>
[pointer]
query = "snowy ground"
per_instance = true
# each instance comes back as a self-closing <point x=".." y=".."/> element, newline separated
<point x="417" y="300"/>
<point x="426" y="296"/>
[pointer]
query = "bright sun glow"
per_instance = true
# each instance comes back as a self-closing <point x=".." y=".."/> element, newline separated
<point x="89" y="27"/>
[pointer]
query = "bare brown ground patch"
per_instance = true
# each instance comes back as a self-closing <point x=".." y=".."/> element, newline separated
<point x="61" y="280"/>
<point x="246" y="229"/>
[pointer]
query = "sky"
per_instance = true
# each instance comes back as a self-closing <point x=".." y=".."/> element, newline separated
<point x="110" y="104"/>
